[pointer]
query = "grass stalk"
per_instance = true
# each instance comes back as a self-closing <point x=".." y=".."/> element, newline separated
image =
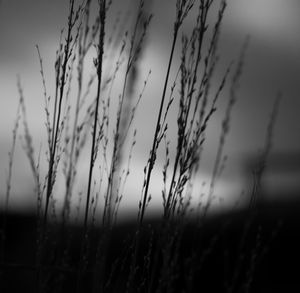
<point x="56" y="120"/>
<point x="102" y="15"/>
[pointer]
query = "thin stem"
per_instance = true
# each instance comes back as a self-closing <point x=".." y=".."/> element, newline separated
<point x="157" y="129"/>
<point x="62" y="87"/>
<point x="102" y="16"/>
<point x="99" y="74"/>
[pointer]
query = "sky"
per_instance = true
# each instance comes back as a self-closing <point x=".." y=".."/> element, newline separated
<point x="272" y="64"/>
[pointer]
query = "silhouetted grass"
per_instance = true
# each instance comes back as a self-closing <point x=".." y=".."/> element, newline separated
<point x="176" y="253"/>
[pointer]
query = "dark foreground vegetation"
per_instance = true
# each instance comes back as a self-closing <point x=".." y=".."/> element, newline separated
<point x="238" y="252"/>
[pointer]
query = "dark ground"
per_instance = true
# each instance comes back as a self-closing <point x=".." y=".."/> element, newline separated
<point x="230" y="249"/>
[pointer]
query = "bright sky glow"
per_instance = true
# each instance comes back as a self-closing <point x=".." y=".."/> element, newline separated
<point x="273" y="22"/>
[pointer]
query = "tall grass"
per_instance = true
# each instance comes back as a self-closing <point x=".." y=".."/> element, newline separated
<point x="153" y="260"/>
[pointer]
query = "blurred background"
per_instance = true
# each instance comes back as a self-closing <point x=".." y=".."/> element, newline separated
<point x="272" y="64"/>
